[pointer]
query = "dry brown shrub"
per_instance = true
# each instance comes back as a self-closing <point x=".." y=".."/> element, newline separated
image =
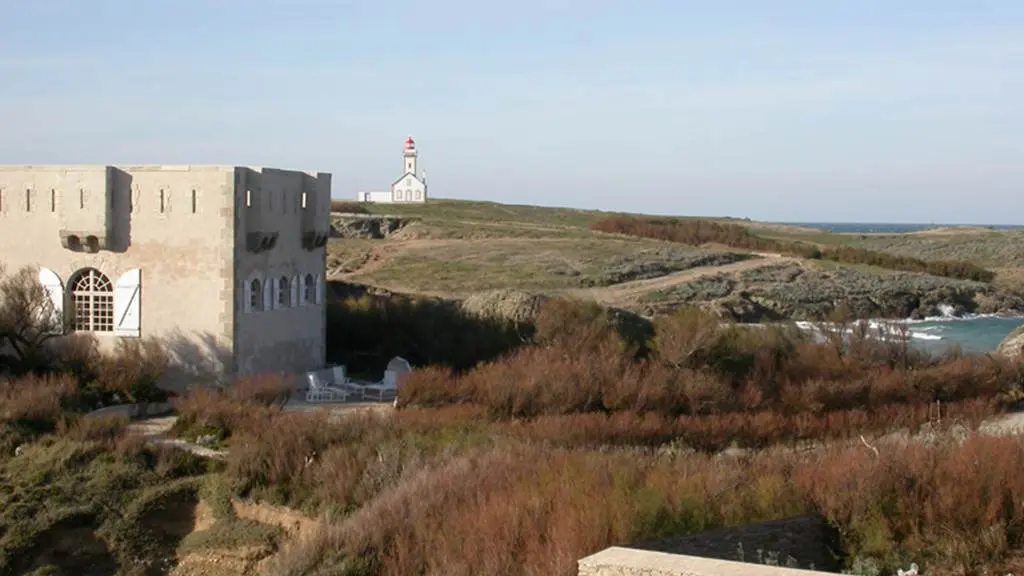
<point x="531" y="510"/>
<point x="348" y="207"/>
<point x="36" y="402"/>
<point x="104" y="429"/>
<point x="263" y="389"/>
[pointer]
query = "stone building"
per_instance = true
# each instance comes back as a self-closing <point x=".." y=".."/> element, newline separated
<point x="224" y="264"/>
<point x="409" y="188"/>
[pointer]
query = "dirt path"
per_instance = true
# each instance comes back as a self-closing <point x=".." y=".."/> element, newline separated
<point x="627" y="293"/>
<point x="155" y="430"/>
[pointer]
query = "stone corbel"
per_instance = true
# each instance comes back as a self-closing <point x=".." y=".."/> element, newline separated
<point x="260" y="241"/>
<point x="314" y="240"/>
<point x="84" y="241"/>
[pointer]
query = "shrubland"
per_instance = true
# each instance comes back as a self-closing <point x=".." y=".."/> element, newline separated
<point x="578" y="440"/>
<point x="522" y="448"/>
<point x="697" y="232"/>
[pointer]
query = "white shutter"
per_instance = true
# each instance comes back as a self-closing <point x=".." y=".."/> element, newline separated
<point x="319" y="288"/>
<point x="268" y="293"/>
<point x="53" y="314"/>
<point x="127" y="305"/>
<point x="294" y="285"/>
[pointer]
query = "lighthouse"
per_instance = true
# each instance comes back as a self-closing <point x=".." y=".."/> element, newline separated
<point x="410" y="156"/>
<point x="411" y="186"/>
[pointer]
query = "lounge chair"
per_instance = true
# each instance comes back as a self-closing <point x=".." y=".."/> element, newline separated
<point x="386" y="389"/>
<point x="320" y="391"/>
<point x="353" y="387"/>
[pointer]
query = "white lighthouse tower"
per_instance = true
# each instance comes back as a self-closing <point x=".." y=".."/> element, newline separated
<point x="410" y="156"/>
<point x="412" y="186"/>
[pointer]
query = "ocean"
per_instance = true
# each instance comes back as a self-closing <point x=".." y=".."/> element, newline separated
<point x="975" y="334"/>
<point x="891" y="228"/>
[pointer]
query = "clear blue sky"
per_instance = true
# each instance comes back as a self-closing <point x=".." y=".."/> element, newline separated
<point x="865" y="110"/>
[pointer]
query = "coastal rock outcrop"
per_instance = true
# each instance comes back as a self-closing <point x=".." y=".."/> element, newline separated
<point x="813" y="291"/>
<point x="1013" y="344"/>
<point x="367" y="226"/>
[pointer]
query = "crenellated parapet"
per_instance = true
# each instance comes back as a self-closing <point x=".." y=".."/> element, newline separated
<point x="315" y="210"/>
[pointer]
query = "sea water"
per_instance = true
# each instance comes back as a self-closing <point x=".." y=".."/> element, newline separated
<point x="974" y="334"/>
<point x="890" y="227"/>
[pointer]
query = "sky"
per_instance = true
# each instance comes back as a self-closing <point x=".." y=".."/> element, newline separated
<point x="789" y="110"/>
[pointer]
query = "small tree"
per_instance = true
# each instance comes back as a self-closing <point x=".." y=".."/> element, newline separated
<point x="28" y="319"/>
<point x="682" y="337"/>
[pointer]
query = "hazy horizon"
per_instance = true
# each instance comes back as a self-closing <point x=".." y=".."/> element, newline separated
<point x="791" y="111"/>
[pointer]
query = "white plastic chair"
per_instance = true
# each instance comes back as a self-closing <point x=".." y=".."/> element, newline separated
<point x="320" y="391"/>
<point x="387" y="388"/>
<point x="343" y="381"/>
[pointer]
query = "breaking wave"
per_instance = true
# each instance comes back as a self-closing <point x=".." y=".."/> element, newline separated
<point x="881" y="329"/>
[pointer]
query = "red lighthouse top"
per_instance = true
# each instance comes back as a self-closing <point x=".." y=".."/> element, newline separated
<point x="410" y="143"/>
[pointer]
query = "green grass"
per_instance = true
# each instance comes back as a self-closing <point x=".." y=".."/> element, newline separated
<point x="60" y="487"/>
<point x="471" y="246"/>
<point x="988" y="249"/>
<point x="821" y="238"/>
<point x="231" y="534"/>
<point x="467" y="210"/>
<point x="543" y="264"/>
<point x="514" y="217"/>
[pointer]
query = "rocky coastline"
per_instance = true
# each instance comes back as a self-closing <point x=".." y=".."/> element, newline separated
<point x="812" y="292"/>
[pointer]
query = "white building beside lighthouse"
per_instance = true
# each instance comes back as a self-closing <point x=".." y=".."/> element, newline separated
<point x="411" y="187"/>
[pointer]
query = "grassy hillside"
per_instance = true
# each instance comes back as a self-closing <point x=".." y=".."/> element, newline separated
<point x="452" y="248"/>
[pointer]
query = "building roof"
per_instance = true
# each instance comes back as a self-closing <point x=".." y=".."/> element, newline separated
<point x="406" y="175"/>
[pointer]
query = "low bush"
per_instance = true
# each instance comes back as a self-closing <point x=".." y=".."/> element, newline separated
<point x="348" y="207"/>
<point x="697" y="232"/>
<point x="36" y="404"/>
<point x="263" y="389"/>
<point x="536" y="510"/>
<point x="204" y="411"/>
<point x="701" y="367"/>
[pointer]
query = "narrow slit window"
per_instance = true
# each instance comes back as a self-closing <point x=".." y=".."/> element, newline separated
<point x="28" y="200"/>
<point x="248" y="198"/>
<point x="303" y="200"/>
<point x="53" y="200"/>
<point x="193" y="200"/>
<point x="81" y="198"/>
<point x="161" y="200"/>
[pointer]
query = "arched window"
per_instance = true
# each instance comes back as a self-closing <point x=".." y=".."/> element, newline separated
<point x="309" y="290"/>
<point x="283" y="292"/>
<point x="255" y="295"/>
<point x="92" y="295"/>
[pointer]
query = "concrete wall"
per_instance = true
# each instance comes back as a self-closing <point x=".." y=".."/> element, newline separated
<point x="288" y="335"/>
<point x="377" y="196"/>
<point x="173" y="223"/>
<point x="617" y="561"/>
